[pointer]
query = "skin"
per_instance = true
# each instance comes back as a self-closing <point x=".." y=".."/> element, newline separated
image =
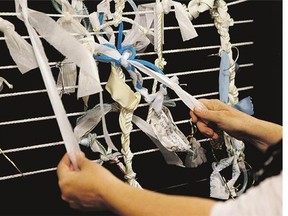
<point x="93" y="188"/>
<point x="243" y="127"/>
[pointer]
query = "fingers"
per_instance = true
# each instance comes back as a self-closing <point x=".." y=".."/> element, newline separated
<point x="63" y="166"/>
<point x="206" y="130"/>
<point x="208" y="115"/>
<point x="193" y="117"/>
<point x="80" y="159"/>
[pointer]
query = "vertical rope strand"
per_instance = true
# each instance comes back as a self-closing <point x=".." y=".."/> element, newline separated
<point x="159" y="62"/>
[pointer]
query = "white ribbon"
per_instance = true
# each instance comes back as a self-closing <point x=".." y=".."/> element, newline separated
<point x="167" y="132"/>
<point x="188" y="99"/>
<point x="70" y="140"/>
<point x="94" y="20"/>
<point x="67" y="77"/>
<point x="89" y="82"/>
<point x="195" y="7"/>
<point x="219" y="188"/>
<point x="169" y="156"/>
<point x="20" y="50"/>
<point x="186" y="27"/>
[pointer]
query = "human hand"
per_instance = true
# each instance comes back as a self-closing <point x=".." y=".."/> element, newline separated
<point x="220" y="116"/>
<point x="237" y="124"/>
<point x="83" y="189"/>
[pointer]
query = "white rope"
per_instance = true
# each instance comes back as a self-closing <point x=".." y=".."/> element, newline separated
<point x="97" y="161"/>
<point x="171" y="51"/>
<point x="208" y="25"/>
<point x="196" y="48"/>
<point x="37" y="119"/>
<point x="119" y="17"/>
<point x="81" y="113"/>
<point x="124" y="13"/>
<point x="159" y="62"/>
<point x="180" y="73"/>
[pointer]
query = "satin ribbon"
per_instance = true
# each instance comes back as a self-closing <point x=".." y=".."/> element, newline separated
<point x="20" y="50"/>
<point x="187" y="29"/>
<point x="245" y="105"/>
<point x="87" y="122"/>
<point x="195" y="7"/>
<point x="170" y="157"/>
<point x="224" y="77"/>
<point x="70" y="140"/>
<point x="65" y="43"/>
<point x="109" y="53"/>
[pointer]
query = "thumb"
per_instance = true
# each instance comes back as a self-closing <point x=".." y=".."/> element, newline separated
<point x="205" y="114"/>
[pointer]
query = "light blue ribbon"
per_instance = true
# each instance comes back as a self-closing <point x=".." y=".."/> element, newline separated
<point x="132" y="56"/>
<point x="245" y="105"/>
<point x="224" y="77"/>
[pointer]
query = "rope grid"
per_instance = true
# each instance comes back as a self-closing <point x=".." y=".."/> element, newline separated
<point x="126" y="114"/>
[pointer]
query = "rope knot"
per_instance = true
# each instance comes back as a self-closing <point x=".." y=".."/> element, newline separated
<point x="160" y="63"/>
<point x="129" y="176"/>
<point x="68" y="17"/>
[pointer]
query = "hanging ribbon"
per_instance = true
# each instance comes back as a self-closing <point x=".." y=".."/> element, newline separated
<point x="109" y="53"/>
<point x="65" y="43"/>
<point x="224" y="77"/>
<point x="219" y="188"/>
<point x="20" y="50"/>
<point x="229" y="95"/>
<point x="170" y="157"/>
<point x="70" y="140"/>
<point x="186" y="28"/>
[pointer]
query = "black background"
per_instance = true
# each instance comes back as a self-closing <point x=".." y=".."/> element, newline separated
<point x="39" y="194"/>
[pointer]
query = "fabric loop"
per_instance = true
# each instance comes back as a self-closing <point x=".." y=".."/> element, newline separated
<point x="195" y="7"/>
<point x="20" y="50"/>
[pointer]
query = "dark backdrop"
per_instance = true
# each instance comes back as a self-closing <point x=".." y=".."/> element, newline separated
<point x="39" y="194"/>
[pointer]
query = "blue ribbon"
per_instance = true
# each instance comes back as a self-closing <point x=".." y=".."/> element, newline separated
<point x="132" y="56"/>
<point x="245" y="105"/>
<point x="224" y="77"/>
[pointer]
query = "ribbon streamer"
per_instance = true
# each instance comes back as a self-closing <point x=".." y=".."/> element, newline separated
<point x="65" y="43"/>
<point x="70" y="140"/>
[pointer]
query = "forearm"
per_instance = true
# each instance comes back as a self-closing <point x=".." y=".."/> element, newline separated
<point x="262" y="134"/>
<point x="126" y="200"/>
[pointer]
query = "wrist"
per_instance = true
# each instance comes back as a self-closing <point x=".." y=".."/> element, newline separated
<point x="262" y="134"/>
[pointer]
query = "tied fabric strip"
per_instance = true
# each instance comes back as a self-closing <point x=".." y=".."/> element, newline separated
<point x="109" y="53"/>
<point x="245" y="105"/>
<point x="224" y="77"/>
<point x="170" y="157"/>
<point x="70" y="140"/>
<point x="65" y="43"/>
<point x="187" y="29"/>
<point x="20" y="50"/>
<point x="129" y="102"/>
